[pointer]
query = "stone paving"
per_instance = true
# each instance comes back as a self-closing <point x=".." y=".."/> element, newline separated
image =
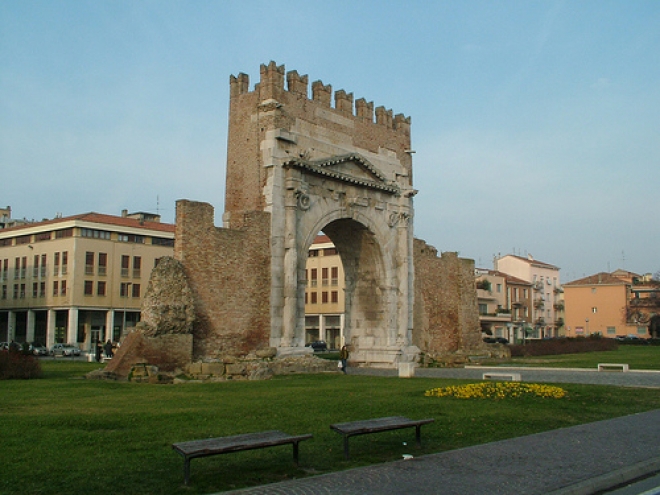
<point x="580" y="460"/>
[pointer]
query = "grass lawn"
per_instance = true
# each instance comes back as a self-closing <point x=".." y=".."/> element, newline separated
<point x="639" y="357"/>
<point x="61" y="434"/>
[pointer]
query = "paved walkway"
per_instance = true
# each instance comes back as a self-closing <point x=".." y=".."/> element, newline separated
<point x="581" y="460"/>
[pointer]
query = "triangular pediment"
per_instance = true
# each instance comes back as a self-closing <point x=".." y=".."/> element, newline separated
<point x="352" y="168"/>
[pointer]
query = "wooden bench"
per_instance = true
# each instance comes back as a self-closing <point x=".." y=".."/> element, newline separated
<point x="376" y="425"/>
<point x="236" y="443"/>
<point x="613" y="366"/>
<point x="513" y="377"/>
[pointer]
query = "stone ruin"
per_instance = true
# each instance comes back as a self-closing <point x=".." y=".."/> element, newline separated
<point x="160" y="348"/>
<point x="230" y="304"/>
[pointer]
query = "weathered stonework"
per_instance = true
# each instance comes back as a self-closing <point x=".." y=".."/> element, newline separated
<point x="314" y="167"/>
<point x="297" y="166"/>
<point x="168" y="305"/>
<point x="446" y="317"/>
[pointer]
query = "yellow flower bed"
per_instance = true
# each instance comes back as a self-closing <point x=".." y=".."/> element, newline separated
<point x="498" y="390"/>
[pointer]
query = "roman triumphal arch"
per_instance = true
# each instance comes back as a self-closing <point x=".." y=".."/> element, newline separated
<point x="345" y="170"/>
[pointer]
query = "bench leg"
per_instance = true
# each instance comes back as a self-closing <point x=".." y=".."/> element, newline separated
<point x="346" y="454"/>
<point x="186" y="470"/>
<point x="418" y="435"/>
<point x="295" y="453"/>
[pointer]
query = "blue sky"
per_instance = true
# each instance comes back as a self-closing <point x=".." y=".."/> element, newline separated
<point x="535" y="123"/>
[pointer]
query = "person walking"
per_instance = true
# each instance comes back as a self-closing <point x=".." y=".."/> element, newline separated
<point x="99" y="351"/>
<point x="343" y="357"/>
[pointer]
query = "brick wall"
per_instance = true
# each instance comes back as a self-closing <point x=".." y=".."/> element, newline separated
<point x="446" y="318"/>
<point x="229" y="274"/>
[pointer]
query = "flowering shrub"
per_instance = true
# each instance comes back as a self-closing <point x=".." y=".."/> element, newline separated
<point x="498" y="391"/>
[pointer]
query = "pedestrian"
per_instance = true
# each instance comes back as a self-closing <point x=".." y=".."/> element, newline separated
<point x="343" y="357"/>
<point x="99" y="350"/>
<point x="108" y="349"/>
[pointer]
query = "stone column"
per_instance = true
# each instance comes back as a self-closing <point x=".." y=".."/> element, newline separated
<point x="50" y="328"/>
<point x="11" y="326"/>
<point x="29" y="331"/>
<point x="72" y="326"/>
<point x="109" y="324"/>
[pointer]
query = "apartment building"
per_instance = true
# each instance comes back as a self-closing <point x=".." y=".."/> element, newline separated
<point x="611" y="304"/>
<point x="324" y="294"/>
<point x="547" y="310"/>
<point x="78" y="279"/>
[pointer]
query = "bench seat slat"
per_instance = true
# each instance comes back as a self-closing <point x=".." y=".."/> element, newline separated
<point x="379" y="424"/>
<point x="222" y="445"/>
<point x="237" y="442"/>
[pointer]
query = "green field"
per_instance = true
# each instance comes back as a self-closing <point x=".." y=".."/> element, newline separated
<point x="638" y="357"/>
<point x="62" y="434"/>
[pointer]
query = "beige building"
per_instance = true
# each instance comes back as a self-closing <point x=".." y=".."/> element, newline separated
<point x="78" y="279"/>
<point x="547" y="311"/>
<point x="607" y="304"/>
<point x="324" y="294"/>
<point x="494" y="310"/>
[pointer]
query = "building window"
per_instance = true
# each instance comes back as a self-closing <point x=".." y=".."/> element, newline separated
<point x="611" y="330"/>
<point x="136" y="239"/>
<point x="324" y="277"/>
<point x="329" y="251"/>
<point x="123" y="289"/>
<point x="4" y="292"/>
<point x="15" y="291"/>
<point x="17" y="268"/>
<point x="65" y="261"/>
<point x="125" y="263"/>
<point x="43" y="265"/>
<point x="35" y="266"/>
<point x="103" y="263"/>
<point x="313" y="297"/>
<point x="334" y="276"/>
<point x="24" y="239"/>
<point x="89" y="263"/>
<point x="161" y="241"/>
<point x="61" y="234"/>
<point x="137" y="266"/>
<point x="100" y="288"/>
<point x="334" y="296"/>
<point x="23" y="266"/>
<point x="89" y="287"/>
<point x="42" y="289"/>
<point x="324" y="297"/>
<point x="483" y="309"/>
<point x="314" y="277"/>
<point x="5" y="269"/>
<point x="44" y="236"/>
<point x="63" y="287"/>
<point x="594" y="310"/>
<point x="35" y="289"/>
<point x="136" y="290"/>
<point x="56" y="288"/>
<point x="95" y="234"/>
<point x="22" y="294"/>
<point x="313" y="253"/>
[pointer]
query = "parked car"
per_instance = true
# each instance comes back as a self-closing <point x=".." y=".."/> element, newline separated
<point x="495" y="340"/>
<point x="318" y="346"/>
<point x="4" y="346"/>
<point x="39" y="350"/>
<point x="64" y="350"/>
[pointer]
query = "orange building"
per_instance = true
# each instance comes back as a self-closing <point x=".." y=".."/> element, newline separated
<point x="599" y="304"/>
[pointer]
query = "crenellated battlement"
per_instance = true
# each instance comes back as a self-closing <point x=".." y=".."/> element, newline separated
<point x="271" y="85"/>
